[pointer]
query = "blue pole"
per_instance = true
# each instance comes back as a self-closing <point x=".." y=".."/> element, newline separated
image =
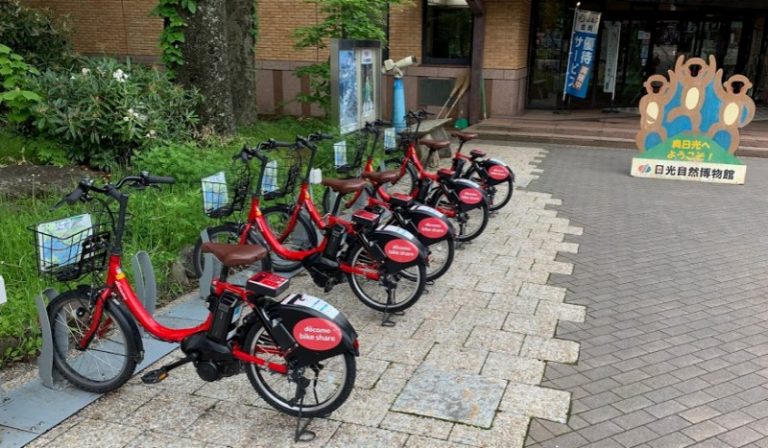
<point x="398" y="104"/>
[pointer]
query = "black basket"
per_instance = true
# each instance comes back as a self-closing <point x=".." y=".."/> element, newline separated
<point x="282" y="172"/>
<point x="237" y="191"/>
<point x="68" y="256"/>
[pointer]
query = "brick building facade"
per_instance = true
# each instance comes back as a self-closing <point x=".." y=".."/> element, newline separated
<point x="126" y="28"/>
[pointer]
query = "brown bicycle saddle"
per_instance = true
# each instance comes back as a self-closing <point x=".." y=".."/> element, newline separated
<point x="382" y="177"/>
<point x="345" y="185"/>
<point x="464" y="136"/>
<point x="435" y="145"/>
<point x="235" y="255"/>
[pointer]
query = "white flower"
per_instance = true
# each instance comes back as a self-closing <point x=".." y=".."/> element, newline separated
<point x="85" y="71"/>
<point x="126" y="119"/>
<point x="72" y="77"/>
<point x="151" y="134"/>
<point x="119" y="75"/>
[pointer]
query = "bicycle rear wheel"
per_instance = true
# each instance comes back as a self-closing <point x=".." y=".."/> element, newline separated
<point x="330" y="381"/>
<point x="110" y="358"/>
<point x="470" y="223"/>
<point x="498" y="195"/>
<point x="407" y="182"/>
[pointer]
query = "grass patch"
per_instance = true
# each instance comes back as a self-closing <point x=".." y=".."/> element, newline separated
<point x="163" y="222"/>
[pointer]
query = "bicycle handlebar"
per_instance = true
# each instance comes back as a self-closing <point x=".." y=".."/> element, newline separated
<point x="144" y="179"/>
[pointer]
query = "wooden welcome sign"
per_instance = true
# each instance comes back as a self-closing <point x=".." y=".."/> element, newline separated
<point x="689" y="124"/>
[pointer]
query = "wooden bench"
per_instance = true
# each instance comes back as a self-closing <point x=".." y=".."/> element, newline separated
<point x="434" y="130"/>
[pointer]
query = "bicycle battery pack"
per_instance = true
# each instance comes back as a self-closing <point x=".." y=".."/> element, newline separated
<point x="222" y="319"/>
<point x="334" y="241"/>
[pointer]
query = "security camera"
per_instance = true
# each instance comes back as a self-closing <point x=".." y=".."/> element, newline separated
<point x="395" y="68"/>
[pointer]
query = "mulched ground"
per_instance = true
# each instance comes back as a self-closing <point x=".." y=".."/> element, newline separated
<point x="26" y="180"/>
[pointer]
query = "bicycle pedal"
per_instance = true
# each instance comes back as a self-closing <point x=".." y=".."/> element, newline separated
<point x="154" y="376"/>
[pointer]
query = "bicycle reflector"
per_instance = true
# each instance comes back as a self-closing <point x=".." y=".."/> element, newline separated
<point x="267" y="284"/>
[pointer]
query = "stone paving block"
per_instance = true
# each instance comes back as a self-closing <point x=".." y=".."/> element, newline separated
<point x="703" y="430"/>
<point x="523" y="399"/>
<point x="700" y="414"/>
<point x="508" y="430"/>
<point x="562" y="311"/>
<point x="545" y="349"/>
<point x="495" y="340"/>
<point x="451" y="358"/>
<point x="740" y="436"/>
<point x="412" y="424"/>
<point x="514" y="304"/>
<point x="96" y="433"/>
<point x="537" y="325"/>
<point x="513" y="368"/>
<point x="169" y="412"/>
<point x="463" y="398"/>
<point x="153" y="439"/>
<point x="365" y="407"/>
<point x="429" y="442"/>
<point x="542" y="292"/>
<point x="406" y="351"/>
<point x="354" y="435"/>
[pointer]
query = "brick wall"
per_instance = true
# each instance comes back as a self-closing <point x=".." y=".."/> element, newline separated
<point x="405" y="30"/>
<point x="277" y="22"/>
<point x="506" y="34"/>
<point x="115" y="27"/>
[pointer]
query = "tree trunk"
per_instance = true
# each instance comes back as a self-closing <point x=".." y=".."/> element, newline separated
<point x="219" y="61"/>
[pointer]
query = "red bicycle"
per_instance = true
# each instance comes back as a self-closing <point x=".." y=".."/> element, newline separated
<point x="298" y="353"/>
<point x="494" y="176"/>
<point x="384" y="266"/>
<point x="431" y="227"/>
<point x="461" y="200"/>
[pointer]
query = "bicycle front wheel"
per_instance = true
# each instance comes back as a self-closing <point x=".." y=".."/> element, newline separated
<point x="498" y="195"/>
<point x="407" y="183"/>
<point x="110" y="358"/>
<point x="440" y="258"/>
<point x="329" y="381"/>
<point x="408" y="284"/>
<point x="302" y="237"/>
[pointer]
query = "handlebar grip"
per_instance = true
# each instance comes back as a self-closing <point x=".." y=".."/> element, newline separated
<point x="276" y="144"/>
<point x="160" y="179"/>
<point x="382" y="123"/>
<point x="326" y="136"/>
<point x="75" y="196"/>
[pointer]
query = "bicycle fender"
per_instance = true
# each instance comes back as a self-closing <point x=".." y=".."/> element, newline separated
<point x="467" y="194"/>
<point x="429" y="225"/>
<point x="494" y="171"/>
<point x="119" y="308"/>
<point x="401" y="248"/>
<point x="319" y="329"/>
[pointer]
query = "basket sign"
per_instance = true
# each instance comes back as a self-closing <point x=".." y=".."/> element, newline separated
<point x="215" y="191"/>
<point x="389" y="138"/>
<point x="60" y="242"/>
<point x="316" y="333"/>
<point x="3" y="296"/>
<point x="269" y="183"/>
<point x="340" y="153"/>
<point x="432" y="228"/>
<point x="401" y="251"/>
<point x="470" y="196"/>
<point x="498" y="172"/>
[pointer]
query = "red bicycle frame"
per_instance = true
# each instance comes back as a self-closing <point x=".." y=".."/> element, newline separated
<point x="303" y="202"/>
<point x="118" y="284"/>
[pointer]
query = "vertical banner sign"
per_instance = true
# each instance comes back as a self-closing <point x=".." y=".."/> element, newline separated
<point x="582" y="52"/>
<point x="612" y="37"/>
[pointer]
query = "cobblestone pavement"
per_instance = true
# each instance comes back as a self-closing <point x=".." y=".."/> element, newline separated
<point x="480" y="338"/>
<point x="674" y="348"/>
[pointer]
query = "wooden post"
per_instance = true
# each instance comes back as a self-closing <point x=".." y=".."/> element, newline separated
<point x="478" y="44"/>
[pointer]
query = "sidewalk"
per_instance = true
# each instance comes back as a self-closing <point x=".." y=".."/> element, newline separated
<point x="461" y="368"/>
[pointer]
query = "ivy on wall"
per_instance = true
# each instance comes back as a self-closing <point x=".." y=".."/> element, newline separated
<point x="172" y="12"/>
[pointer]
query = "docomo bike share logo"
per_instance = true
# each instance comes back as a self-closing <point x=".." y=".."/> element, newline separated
<point x="470" y="196"/>
<point x="432" y="228"/>
<point x="644" y="168"/>
<point x="498" y="172"/>
<point x="401" y="251"/>
<point x="315" y="333"/>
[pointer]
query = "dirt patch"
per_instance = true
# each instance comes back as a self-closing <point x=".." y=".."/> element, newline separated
<point x="26" y="180"/>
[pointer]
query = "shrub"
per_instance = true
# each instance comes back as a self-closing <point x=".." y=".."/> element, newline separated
<point x="106" y="111"/>
<point x="15" y="101"/>
<point x="36" y="35"/>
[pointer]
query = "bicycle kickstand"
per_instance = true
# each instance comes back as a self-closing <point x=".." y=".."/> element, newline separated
<point x="302" y="434"/>
<point x="386" y="320"/>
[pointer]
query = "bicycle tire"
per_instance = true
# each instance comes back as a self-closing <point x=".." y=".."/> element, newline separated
<point x="255" y="337"/>
<point x="438" y="270"/>
<point x="416" y="274"/>
<point x="493" y="203"/>
<point x="407" y="183"/>
<point x="228" y="233"/>
<point x="304" y="236"/>
<point x="481" y="212"/>
<point x="105" y="342"/>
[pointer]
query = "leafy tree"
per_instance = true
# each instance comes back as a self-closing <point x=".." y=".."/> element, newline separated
<point x="345" y="19"/>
